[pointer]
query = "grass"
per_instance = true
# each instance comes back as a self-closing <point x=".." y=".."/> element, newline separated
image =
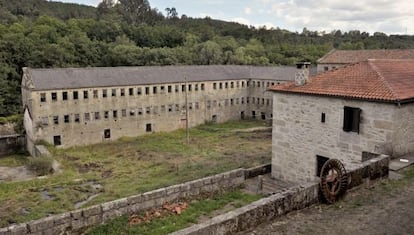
<point x="133" y="165"/>
<point x="171" y="223"/>
<point x="14" y="160"/>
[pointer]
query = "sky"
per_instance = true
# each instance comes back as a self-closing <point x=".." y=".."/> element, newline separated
<point x="387" y="16"/>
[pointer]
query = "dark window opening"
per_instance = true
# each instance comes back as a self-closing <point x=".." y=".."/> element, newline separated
<point x="177" y="88"/>
<point x="154" y="90"/>
<point x="214" y="118"/>
<point x="226" y="85"/>
<point x="123" y="112"/>
<point x="214" y="86"/>
<point x="97" y="116"/>
<point x="75" y="95"/>
<point x="104" y="94"/>
<point x="56" y="120"/>
<point x="323" y="117"/>
<point x="56" y="140"/>
<point x="77" y="118"/>
<point x="66" y="118"/>
<point x="139" y="91"/>
<point x="221" y="85"/>
<point x="148" y="127"/>
<point x="320" y="160"/>
<point x="147" y="90"/>
<point x="263" y="116"/>
<point x="202" y="86"/>
<point x="189" y="87"/>
<point x="113" y="93"/>
<point x="122" y="92"/>
<point x="65" y="95"/>
<point x="54" y="96"/>
<point x="95" y="93"/>
<point x="182" y="88"/>
<point x="131" y="91"/>
<point x="115" y="113"/>
<point x="169" y="89"/>
<point x="148" y="110"/>
<point x="162" y="89"/>
<point x="254" y="114"/>
<point x="85" y="94"/>
<point x="107" y="133"/>
<point x="42" y="97"/>
<point x="352" y="118"/>
<point x="242" y="115"/>
<point x="106" y="114"/>
<point x="326" y="68"/>
<point x="87" y="117"/>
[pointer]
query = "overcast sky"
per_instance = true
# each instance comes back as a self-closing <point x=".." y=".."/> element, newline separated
<point x="388" y="16"/>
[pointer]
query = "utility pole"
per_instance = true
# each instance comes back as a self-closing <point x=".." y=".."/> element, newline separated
<point x="186" y="112"/>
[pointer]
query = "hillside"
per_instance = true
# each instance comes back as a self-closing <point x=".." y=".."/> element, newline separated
<point x="38" y="33"/>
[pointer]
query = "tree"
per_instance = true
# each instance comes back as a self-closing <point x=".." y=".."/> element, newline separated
<point x="171" y="12"/>
<point x="135" y="11"/>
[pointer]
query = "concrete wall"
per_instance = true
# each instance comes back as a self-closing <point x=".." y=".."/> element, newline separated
<point x="299" y="135"/>
<point x="77" y="221"/>
<point x="163" y="110"/>
<point x="269" y="208"/>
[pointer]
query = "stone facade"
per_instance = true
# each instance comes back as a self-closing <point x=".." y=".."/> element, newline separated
<point x="300" y="135"/>
<point x="87" y="115"/>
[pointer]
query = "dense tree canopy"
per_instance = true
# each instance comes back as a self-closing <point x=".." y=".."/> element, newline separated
<point x="42" y="34"/>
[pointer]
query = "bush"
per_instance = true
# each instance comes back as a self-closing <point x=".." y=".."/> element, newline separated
<point x="41" y="165"/>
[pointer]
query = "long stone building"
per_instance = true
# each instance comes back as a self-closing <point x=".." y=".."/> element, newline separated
<point x="77" y="106"/>
<point x="350" y="113"/>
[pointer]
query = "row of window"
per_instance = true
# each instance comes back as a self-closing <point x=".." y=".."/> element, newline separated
<point x="226" y="85"/>
<point x="154" y="110"/>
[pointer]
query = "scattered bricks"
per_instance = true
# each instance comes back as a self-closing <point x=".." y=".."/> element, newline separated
<point x="40" y="225"/>
<point x="93" y="210"/>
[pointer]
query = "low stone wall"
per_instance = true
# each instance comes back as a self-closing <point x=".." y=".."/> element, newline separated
<point x="77" y="221"/>
<point x="9" y="144"/>
<point x="258" y="170"/>
<point x="295" y="198"/>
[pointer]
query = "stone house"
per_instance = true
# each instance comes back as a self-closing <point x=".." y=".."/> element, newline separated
<point x="339" y="58"/>
<point x="348" y="113"/>
<point x="76" y="106"/>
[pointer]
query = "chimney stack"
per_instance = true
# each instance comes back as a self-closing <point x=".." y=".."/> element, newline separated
<point x="302" y="75"/>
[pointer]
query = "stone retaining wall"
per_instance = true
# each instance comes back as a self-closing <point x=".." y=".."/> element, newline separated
<point x="77" y="221"/>
<point x="10" y="144"/>
<point x="279" y="204"/>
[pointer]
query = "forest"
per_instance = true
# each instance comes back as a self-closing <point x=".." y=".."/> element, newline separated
<point x="43" y="34"/>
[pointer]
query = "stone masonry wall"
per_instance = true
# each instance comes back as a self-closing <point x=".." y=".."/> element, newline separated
<point x="403" y="137"/>
<point x="295" y="198"/>
<point x="76" y="221"/>
<point x="299" y="135"/>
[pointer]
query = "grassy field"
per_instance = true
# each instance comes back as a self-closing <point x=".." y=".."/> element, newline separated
<point x="132" y="165"/>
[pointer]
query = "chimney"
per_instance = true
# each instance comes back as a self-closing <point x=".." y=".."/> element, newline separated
<point x="302" y="75"/>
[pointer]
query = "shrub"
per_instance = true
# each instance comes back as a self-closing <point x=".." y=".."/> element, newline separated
<point x="41" y="165"/>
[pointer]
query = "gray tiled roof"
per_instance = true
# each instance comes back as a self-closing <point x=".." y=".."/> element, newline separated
<point x="70" y="78"/>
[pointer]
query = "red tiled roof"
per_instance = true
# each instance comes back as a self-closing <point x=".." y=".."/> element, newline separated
<point x="376" y="80"/>
<point x="355" y="56"/>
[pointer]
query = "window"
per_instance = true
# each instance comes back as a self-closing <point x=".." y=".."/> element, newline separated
<point x="45" y="121"/>
<point x="351" y="119"/>
<point x="75" y="95"/>
<point x="107" y="133"/>
<point x="162" y="89"/>
<point x="77" y="117"/>
<point x="162" y="108"/>
<point x="170" y="108"/>
<point x="242" y="100"/>
<point x="55" y="120"/>
<point x="326" y="68"/>
<point x="226" y="85"/>
<point x="115" y="113"/>
<point x="139" y="91"/>
<point x="87" y="116"/>
<point x="42" y="97"/>
<point x="231" y="84"/>
<point x="66" y="118"/>
<point x="183" y="88"/>
<point x="147" y="90"/>
<point x="97" y="116"/>
<point x="242" y="83"/>
<point x="196" y="87"/>
<point x="320" y="161"/>
<point x="106" y="114"/>
<point x="263" y="116"/>
<point x="154" y="90"/>
<point x="231" y="101"/>
<point x="113" y="92"/>
<point x="202" y="86"/>
<point x="123" y="112"/>
<point x="237" y="84"/>
<point x="122" y="92"/>
<point x="148" y="127"/>
<point x="254" y="114"/>
<point x="65" y="95"/>
<point x="85" y="95"/>
<point x="139" y="111"/>
<point x="169" y="89"/>
<point x="56" y="140"/>
<point x="221" y="85"/>
<point x="148" y="110"/>
<point x="189" y="87"/>
<point x="214" y="86"/>
<point x="177" y="88"/>
<point x="131" y="91"/>
<point x="323" y="116"/>
<point x="95" y="94"/>
<point x="197" y="106"/>
<point x="248" y="83"/>
<point x="104" y="93"/>
<point x="131" y="112"/>
<point x="54" y="96"/>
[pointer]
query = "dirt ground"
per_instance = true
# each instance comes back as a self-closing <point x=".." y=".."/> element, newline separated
<point x="385" y="208"/>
